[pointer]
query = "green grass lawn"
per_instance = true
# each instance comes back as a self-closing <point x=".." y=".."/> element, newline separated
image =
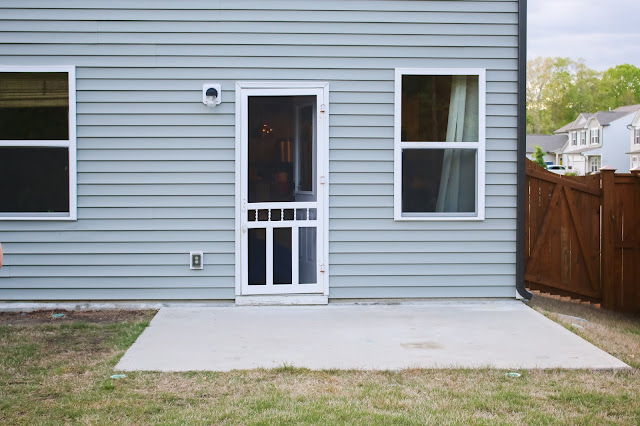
<point x="58" y="371"/>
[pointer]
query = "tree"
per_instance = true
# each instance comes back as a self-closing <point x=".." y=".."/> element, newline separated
<point x="583" y="94"/>
<point x="538" y="156"/>
<point x="620" y="86"/>
<point x="539" y="78"/>
<point x="559" y="89"/>
<point x="549" y="86"/>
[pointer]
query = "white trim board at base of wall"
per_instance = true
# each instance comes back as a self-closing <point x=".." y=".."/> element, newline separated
<point x="105" y="306"/>
<point x="282" y="300"/>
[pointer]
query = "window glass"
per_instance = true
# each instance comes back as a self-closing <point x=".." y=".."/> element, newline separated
<point x="439" y="108"/>
<point x="305" y="148"/>
<point x="275" y="129"/>
<point x="307" y="256"/>
<point x="257" y="242"/>
<point x="439" y="180"/>
<point x="34" y="106"/>
<point x="282" y="261"/>
<point x="34" y="180"/>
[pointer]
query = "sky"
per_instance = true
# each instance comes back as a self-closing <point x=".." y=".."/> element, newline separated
<point x="604" y="33"/>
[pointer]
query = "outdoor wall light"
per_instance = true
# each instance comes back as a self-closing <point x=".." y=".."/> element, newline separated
<point x="211" y="94"/>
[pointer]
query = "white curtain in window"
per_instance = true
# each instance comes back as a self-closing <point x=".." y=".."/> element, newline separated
<point x="462" y="126"/>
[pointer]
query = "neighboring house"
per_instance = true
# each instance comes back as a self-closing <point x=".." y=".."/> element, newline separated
<point x="550" y="144"/>
<point x="597" y="140"/>
<point x="165" y="150"/>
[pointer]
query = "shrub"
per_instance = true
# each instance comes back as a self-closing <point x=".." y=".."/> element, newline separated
<point x="538" y="156"/>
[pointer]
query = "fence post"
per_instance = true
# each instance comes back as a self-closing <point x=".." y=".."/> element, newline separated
<point x="610" y="288"/>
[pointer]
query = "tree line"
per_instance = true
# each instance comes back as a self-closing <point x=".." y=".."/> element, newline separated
<point x="559" y="89"/>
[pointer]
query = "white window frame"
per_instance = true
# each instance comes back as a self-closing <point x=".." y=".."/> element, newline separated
<point x="574" y="138"/>
<point x="583" y="137"/>
<point x="398" y="146"/>
<point x="636" y="135"/>
<point x="598" y="163"/>
<point x="594" y="135"/>
<point x="70" y="144"/>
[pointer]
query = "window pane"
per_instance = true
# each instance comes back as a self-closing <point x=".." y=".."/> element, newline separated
<point x="439" y="108"/>
<point x="257" y="256"/>
<point x="34" y="106"/>
<point x="306" y="148"/>
<point x="282" y="259"/>
<point x="273" y="134"/>
<point x="439" y="180"/>
<point x="307" y="256"/>
<point x="34" y="180"/>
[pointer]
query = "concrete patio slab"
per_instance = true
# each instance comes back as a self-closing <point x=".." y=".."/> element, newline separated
<point x="436" y="334"/>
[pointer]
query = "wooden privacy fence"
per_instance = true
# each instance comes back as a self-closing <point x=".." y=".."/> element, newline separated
<point x="583" y="236"/>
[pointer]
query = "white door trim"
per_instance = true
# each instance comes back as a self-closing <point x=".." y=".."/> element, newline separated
<point x="290" y="88"/>
<point x="282" y="300"/>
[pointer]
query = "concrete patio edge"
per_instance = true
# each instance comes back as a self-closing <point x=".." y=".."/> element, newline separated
<point x="503" y="334"/>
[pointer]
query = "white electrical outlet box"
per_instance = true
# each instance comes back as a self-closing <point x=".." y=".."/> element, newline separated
<point x="196" y="260"/>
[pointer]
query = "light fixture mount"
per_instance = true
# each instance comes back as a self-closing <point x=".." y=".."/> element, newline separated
<point x="211" y="94"/>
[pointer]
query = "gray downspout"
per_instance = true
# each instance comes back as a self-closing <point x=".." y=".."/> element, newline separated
<point x="521" y="154"/>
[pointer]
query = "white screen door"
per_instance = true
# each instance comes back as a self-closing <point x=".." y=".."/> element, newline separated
<point x="282" y="195"/>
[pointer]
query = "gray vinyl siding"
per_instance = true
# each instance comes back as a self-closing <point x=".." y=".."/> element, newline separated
<point x="156" y="168"/>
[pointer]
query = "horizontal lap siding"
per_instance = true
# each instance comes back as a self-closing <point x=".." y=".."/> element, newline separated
<point x="156" y="167"/>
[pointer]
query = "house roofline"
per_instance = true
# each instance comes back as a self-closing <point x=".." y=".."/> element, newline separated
<point x="572" y="127"/>
<point x="579" y="151"/>
<point x="594" y="118"/>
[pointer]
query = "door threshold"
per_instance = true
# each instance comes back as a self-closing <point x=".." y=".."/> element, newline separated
<point x="282" y="300"/>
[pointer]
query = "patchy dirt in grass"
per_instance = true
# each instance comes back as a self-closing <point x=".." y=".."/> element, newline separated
<point x="94" y="317"/>
<point x="615" y="332"/>
<point x="585" y="310"/>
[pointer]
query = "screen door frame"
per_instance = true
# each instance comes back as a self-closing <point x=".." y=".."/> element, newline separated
<point x="268" y="88"/>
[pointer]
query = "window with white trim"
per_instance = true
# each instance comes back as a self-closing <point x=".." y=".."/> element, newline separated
<point x="583" y="137"/>
<point x="574" y="138"/>
<point x="37" y="143"/>
<point x="439" y="148"/>
<point x="634" y="162"/>
<point x="594" y="164"/>
<point x="636" y="135"/>
<point x="595" y="136"/>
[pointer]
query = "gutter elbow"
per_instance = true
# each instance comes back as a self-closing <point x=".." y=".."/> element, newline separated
<point x="522" y="291"/>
